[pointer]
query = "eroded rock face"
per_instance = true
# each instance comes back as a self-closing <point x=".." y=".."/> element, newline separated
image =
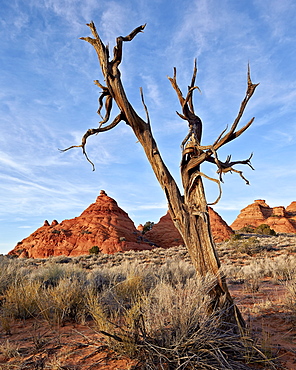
<point x="102" y="224"/>
<point x="220" y="229"/>
<point x="165" y="234"/>
<point x="278" y="218"/>
<point x="292" y="208"/>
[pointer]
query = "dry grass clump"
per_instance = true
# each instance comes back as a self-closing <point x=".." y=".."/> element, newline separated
<point x="169" y="327"/>
<point x="244" y="245"/>
<point x="291" y="297"/>
<point x="8" y="350"/>
<point x="21" y="299"/>
<point x="281" y="269"/>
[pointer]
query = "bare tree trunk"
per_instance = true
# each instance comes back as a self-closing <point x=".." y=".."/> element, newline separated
<point x="189" y="212"/>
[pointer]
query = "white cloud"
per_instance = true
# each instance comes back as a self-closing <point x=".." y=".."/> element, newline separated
<point x="115" y="20"/>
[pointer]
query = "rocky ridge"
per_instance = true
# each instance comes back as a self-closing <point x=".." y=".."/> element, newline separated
<point x="280" y="219"/>
<point x="105" y="225"/>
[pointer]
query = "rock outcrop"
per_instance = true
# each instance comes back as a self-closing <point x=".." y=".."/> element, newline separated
<point x="102" y="224"/>
<point x="220" y="229"/>
<point x="165" y="234"/>
<point x="279" y="219"/>
<point x="105" y="225"/>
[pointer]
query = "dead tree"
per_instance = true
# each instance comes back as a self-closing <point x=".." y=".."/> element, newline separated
<point x="189" y="212"/>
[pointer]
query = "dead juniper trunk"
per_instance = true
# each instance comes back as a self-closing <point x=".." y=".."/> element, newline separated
<point x="189" y="211"/>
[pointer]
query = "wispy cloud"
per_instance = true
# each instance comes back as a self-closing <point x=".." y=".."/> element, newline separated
<point x="48" y="100"/>
<point x="152" y="90"/>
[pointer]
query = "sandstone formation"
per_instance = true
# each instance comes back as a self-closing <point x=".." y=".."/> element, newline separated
<point x="292" y="209"/>
<point x="102" y="224"/>
<point x="279" y="219"/>
<point x="165" y="234"/>
<point x="107" y="226"/>
<point x="220" y="229"/>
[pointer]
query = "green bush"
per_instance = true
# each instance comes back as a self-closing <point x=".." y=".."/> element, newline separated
<point x="148" y="226"/>
<point x="249" y="229"/>
<point x="94" y="250"/>
<point x="236" y="237"/>
<point x="265" y="230"/>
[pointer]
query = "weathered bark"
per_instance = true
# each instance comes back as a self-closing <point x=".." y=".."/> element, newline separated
<point x="190" y="211"/>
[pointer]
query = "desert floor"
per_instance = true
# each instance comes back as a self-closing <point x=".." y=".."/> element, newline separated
<point x="33" y="344"/>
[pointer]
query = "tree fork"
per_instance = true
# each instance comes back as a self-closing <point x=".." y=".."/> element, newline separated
<point x="190" y="211"/>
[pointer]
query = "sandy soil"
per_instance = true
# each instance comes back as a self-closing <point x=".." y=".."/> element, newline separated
<point x="269" y="322"/>
<point x="71" y="347"/>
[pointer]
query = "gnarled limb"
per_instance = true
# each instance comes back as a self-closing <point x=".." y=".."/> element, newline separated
<point x="232" y="134"/>
<point x="108" y="104"/>
<point x="194" y="122"/>
<point x="194" y="154"/>
<point x="193" y="179"/>
<point x="93" y="131"/>
<point x="227" y="166"/>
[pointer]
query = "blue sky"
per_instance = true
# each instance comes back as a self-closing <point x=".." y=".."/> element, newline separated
<point x="48" y="100"/>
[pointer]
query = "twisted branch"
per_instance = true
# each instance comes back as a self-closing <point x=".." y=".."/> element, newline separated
<point x="194" y="154"/>
<point x="231" y="134"/>
<point x="227" y="166"/>
<point x="194" y="122"/>
<point x="107" y="92"/>
<point x="108" y="104"/>
<point x="93" y="131"/>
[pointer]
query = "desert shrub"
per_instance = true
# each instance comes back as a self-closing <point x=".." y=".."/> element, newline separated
<point x="128" y="291"/>
<point x="50" y="274"/>
<point x="147" y="226"/>
<point x="65" y="301"/>
<point x="290" y="298"/>
<point x="9" y="350"/>
<point x="233" y="273"/>
<point x="249" y="229"/>
<point x="12" y="269"/>
<point x="236" y="237"/>
<point x="248" y="246"/>
<point x="94" y="250"/>
<point x="169" y="327"/>
<point x="61" y="259"/>
<point x="20" y="299"/>
<point x="99" y="279"/>
<point x="68" y="299"/>
<point x="264" y="229"/>
<point x="252" y="275"/>
<point x="283" y="267"/>
<point x="56" y="231"/>
<point x="98" y="311"/>
<point x="176" y="272"/>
